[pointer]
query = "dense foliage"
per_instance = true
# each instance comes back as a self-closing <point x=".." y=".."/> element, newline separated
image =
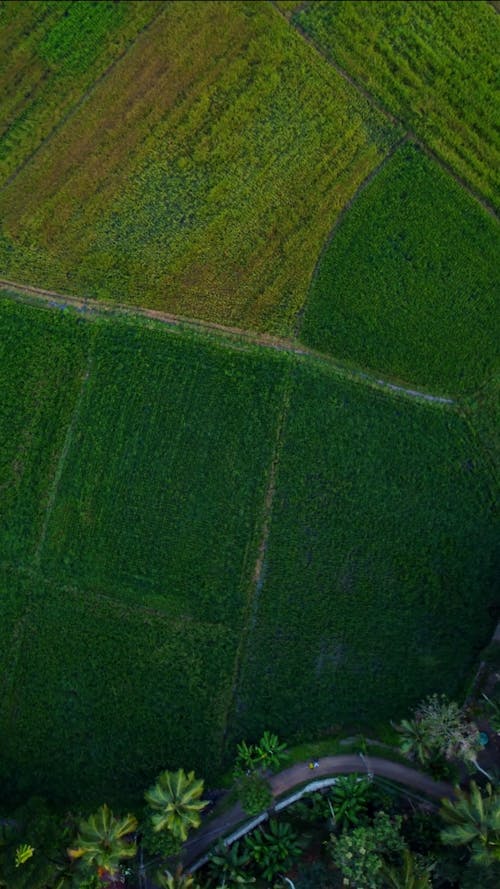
<point x="53" y="54"/>
<point x="409" y="283"/>
<point x="432" y="64"/>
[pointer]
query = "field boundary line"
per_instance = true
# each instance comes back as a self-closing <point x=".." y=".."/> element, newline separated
<point x="79" y="103"/>
<point x="345" y="209"/>
<point x="257" y="579"/>
<point x="233" y="336"/>
<point x="68" y="438"/>
<point x="381" y="108"/>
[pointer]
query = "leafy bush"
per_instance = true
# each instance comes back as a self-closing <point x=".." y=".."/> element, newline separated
<point x="254" y="794"/>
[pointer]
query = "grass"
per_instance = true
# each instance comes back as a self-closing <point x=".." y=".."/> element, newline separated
<point x="380" y="564"/>
<point x="201" y="175"/>
<point x="408" y="284"/>
<point x="105" y="696"/>
<point x="431" y="64"/>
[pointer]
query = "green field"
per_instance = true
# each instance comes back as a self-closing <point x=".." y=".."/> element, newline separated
<point x="432" y="64"/>
<point x="53" y="53"/>
<point x="42" y="364"/>
<point x="132" y="625"/>
<point x="202" y="173"/>
<point x="380" y="563"/>
<point x="409" y="283"/>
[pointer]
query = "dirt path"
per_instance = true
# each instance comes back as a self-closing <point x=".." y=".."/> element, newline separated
<point x="298" y="775"/>
<point x="54" y="300"/>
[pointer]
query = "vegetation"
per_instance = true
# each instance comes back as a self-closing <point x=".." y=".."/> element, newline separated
<point x="408" y="285"/>
<point x="440" y="730"/>
<point x="361" y="853"/>
<point x="175" y="800"/>
<point x="372" y="584"/>
<point x="474" y="820"/>
<point x="431" y="64"/>
<point x="202" y="173"/>
<point x="254" y="794"/>
<point x="273" y="850"/>
<point x="349" y="797"/>
<point x="53" y="54"/>
<point x="142" y="522"/>
<point x="103" y="841"/>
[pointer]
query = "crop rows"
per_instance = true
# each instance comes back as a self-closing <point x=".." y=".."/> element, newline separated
<point x="51" y="54"/>
<point x="42" y="364"/>
<point x="430" y="63"/>
<point x="409" y="284"/>
<point x="380" y="564"/>
<point x="136" y="480"/>
<point x="201" y="176"/>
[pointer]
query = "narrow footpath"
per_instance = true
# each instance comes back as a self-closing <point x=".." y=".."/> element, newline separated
<point x="299" y="774"/>
<point x="51" y="299"/>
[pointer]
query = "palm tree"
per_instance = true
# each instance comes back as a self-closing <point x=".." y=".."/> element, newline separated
<point x="349" y="797"/>
<point x="104" y="840"/>
<point x="474" y="821"/>
<point x="228" y="863"/>
<point x="178" y="880"/>
<point x="415" y="741"/>
<point x="176" y="799"/>
<point x="271" y="751"/>
<point x="406" y="877"/>
<point x="274" y="850"/>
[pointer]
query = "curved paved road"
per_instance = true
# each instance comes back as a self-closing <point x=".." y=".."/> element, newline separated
<point x="300" y="774"/>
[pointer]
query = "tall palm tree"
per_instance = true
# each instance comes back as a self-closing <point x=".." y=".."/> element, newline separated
<point x="103" y="841"/>
<point x="474" y="821"/>
<point x="176" y="800"/>
<point x="407" y="876"/>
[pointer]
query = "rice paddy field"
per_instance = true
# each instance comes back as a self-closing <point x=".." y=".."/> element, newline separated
<point x="432" y="64"/>
<point x="136" y="632"/>
<point x="249" y="473"/>
<point x="200" y="175"/>
<point x="409" y="283"/>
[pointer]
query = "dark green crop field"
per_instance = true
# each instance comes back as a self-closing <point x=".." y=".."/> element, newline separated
<point x="43" y="360"/>
<point x="164" y="480"/>
<point x="432" y="64"/>
<point x="380" y="563"/>
<point x="409" y="284"/>
<point x="134" y="633"/>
